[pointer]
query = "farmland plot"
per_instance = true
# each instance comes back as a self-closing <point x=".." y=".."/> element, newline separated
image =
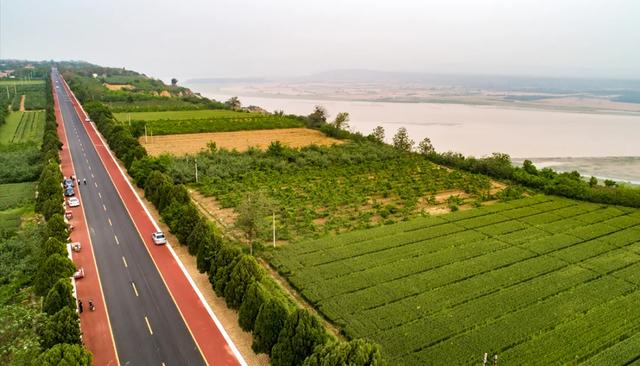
<point x="540" y="280"/>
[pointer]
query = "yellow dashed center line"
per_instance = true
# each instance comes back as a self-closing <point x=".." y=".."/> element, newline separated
<point x="148" y="325"/>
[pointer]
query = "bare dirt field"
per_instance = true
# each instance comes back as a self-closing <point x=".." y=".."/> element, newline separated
<point x="117" y="87"/>
<point x="22" y="100"/>
<point x="240" y="140"/>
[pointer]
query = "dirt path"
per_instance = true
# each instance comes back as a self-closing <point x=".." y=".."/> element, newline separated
<point x="22" y="99"/>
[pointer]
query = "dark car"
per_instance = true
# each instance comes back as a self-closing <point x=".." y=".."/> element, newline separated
<point x="69" y="192"/>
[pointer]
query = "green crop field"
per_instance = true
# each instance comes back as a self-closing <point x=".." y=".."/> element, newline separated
<point x="33" y="90"/>
<point x="317" y="190"/>
<point x="539" y="281"/>
<point x="23" y="127"/>
<point x="215" y="120"/>
<point x="14" y="195"/>
<point x="184" y="115"/>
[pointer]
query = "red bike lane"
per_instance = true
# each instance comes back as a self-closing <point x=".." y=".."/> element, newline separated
<point x="211" y="338"/>
<point x="95" y="326"/>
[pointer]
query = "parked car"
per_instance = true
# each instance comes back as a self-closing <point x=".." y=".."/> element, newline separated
<point x="87" y="119"/>
<point x="158" y="238"/>
<point x="73" y="202"/>
<point x="69" y="192"/>
<point x="68" y="182"/>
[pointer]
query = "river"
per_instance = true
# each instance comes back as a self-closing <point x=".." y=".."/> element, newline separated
<point x="480" y="130"/>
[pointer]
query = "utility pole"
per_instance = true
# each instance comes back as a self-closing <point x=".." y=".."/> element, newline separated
<point x="146" y="141"/>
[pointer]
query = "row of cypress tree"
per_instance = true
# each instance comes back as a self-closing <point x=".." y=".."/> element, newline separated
<point x="290" y="335"/>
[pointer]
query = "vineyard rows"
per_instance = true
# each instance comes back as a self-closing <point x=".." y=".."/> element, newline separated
<point x="540" y="280"/>
<point x="30" y="127"/>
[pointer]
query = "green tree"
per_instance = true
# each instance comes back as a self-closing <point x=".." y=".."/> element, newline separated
<point x="342" y="121"/>
<point x="425" y="147"/>
<point x="318" y="117"/>
<point x="51" y="207"/>
<point x="357" y="352"/>
<point x="19" y="340"/>
<point x="207" y="251"/>
<point x="174" y="81"/>
<point x="185" y="220"/>
<point x="56" y="228"/>
<point x="593" y="181"/>
<point x="65" y="355"/>
<point x="244" y="273"/>
<point x="255" y="296"/>
<point x="269" y="322"/>
<point x="233" y="103"/>
<point x="62" y="327"/>
<point x="401" y="140"/>
<point x="252" y="212"/>
<point x="378" y="133"/>
<point x="201" y="233"/>
<point x="51" y="246"/>
<point x="609" y="183"/>
<point x="222" y="266"/>
<point x="528" y="167"/>
<point x="54" y="268"/>
<point x="300" y="335"/>
<point x="59" y="297"/>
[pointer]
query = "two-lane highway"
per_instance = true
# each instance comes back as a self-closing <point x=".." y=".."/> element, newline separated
<point x="147" y="327"/>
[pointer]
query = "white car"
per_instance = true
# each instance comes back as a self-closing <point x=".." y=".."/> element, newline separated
<point x="87" y="120"/>
<point x="73" y="202"/>
<point x="158" y="238"/>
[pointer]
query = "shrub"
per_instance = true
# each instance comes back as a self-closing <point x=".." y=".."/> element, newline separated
<point x="59" y="297"/>
<point x="255" y="296"/>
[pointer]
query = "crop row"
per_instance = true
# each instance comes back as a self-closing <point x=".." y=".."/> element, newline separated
<point x="392" y="271"/>
<point x="383" y="293"/>
<point x="518" y="327"/>
<point x="597" y="330"/>
<point x="411" y="308"/>
<point x="170" y="127"/>
<point x="447" y="323"/>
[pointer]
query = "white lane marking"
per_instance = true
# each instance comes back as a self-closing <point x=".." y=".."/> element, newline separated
<point x="135" y="289"/>
<point x="117" y="241"/>
<point x="125" y="262"/>
<point x="87" y="161"/>
<point x="148" y="325"/>
<point x="104" y="207"/>
<point x="99" y="194"/>
<point x="110" y="224"/>
<point x="95" y="184"/>
<point x="88" y="165"/>
<point x="92" y="175"/>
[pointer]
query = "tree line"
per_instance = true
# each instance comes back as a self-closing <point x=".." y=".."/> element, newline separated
<point x="35" y="263"/>
<point x="290" y="335"/>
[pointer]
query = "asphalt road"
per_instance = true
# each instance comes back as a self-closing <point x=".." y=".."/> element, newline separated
<point x="146" y="324"/>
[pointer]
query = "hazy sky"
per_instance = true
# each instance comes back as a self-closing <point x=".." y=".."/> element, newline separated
<point x="198" y="38"/>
